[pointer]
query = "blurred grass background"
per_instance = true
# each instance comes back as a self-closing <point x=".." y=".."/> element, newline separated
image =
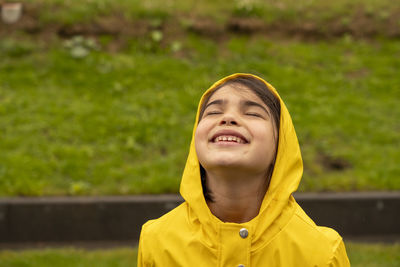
<point x="362" y="255"/>
<point x="91" y="110"/>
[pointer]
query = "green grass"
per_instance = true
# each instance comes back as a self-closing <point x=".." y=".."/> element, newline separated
<point x="373" y="255"/>
<point x="70" y="12"/>
<point x="365" y="255"/>
<point x="69" y="257"/>
<point x="120" y="123"/>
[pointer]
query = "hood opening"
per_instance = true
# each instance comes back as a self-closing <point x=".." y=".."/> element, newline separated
<point x="260" y="89"/>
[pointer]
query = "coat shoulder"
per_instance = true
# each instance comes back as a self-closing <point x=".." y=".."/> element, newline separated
<point x="161" y="235"/>
<point x="324" y="234"/>
<point x="168" y="221"/>
<point x="324" y="239"/>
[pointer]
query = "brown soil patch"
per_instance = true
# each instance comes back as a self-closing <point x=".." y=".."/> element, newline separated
<point x="360" y="25"/>
<point x="206" y="27"/>
<point x="246" y="25"/>
<point x="358" y="74"/>
<point x="330" y="163"/>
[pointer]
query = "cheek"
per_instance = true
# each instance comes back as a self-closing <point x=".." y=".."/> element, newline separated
<point x="200" y="142"/>
<point x="263" y="131"/>
<point x="265" y="135"/>
<point x="200" y="134"/>
<point x="202" y="130"/>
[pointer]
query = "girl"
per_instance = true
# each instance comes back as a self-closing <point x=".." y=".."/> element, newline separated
<point x="244" y="163"/>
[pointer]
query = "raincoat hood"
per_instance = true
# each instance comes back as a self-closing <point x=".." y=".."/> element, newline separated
<point x="280" y="235"/>
<point x="284" y="181"/>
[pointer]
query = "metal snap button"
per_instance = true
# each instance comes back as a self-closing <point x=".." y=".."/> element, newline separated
<point x="243" y="233"/>
<point x="240" y="265"/>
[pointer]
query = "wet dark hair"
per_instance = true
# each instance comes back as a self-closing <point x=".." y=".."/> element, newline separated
<point x="260" y="89"/>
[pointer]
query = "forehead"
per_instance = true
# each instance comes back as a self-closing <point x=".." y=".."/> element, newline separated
<point x="237" y="92"/>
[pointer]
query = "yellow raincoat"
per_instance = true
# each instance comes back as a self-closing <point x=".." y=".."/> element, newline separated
<point x="280" y="235"/>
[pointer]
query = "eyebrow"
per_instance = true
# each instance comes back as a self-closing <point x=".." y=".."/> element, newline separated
<point x="249" y="103"/>
<point x="215" y="102"/>
<point x="246" y="103"/>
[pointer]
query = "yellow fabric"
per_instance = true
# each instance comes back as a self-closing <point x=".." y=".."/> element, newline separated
<point x="280" y="235"/>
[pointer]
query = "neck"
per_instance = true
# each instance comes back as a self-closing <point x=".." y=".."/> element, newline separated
<point x="237" y="197"/>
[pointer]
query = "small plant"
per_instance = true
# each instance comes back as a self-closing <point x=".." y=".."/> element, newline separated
<point x="80" y="47"/>
<point x="156" y="36"/>
<point x="153" y="44"/>
<point x="79" y="188"/>
<point x="176" y="46"/>
<point x="247" y="8"/>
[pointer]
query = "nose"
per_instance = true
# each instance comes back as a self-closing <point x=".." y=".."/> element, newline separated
<point x="228" y="120"/>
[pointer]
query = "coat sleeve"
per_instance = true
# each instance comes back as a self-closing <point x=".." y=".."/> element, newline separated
<point x="143" y="258"/>
<point x="140" y="253"/>
<point x="339" y="258"/>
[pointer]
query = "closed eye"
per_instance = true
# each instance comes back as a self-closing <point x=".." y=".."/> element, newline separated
<point x="254" y="114"/>
<point x="213" y="113"/>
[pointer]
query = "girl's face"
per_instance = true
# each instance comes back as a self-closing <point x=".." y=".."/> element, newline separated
<point x="237" y="131"/>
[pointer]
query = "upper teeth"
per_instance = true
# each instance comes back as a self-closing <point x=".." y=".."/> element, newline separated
<point x="228" y="138"/>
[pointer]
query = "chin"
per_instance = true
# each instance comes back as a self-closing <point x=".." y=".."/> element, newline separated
<point x="232" y="162"/>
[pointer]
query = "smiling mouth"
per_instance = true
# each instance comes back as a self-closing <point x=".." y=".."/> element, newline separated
<point x="229" y="139"/>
